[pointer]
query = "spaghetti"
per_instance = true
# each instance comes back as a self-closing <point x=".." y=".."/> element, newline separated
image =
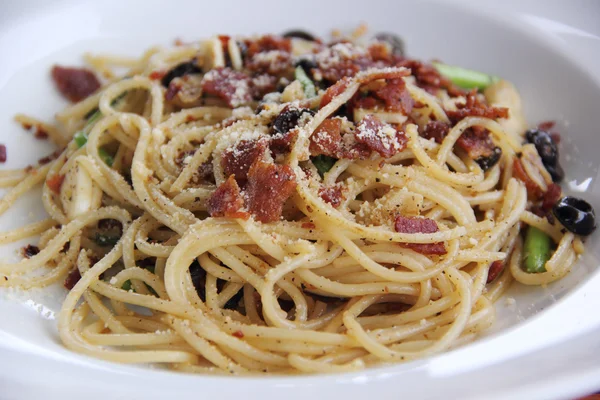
<point x="281" y="205"/>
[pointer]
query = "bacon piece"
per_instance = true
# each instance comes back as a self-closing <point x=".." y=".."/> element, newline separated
<point x="389" y="75"/>
<point x="231" y="86"/>
<point x="269" y="54"/>
<point x="546" y="125"/>
<point x="551" y="196"/>
<point x="40" y="133"/>
<point x="157" y="75"/>
<point x="226" y="201"/>
<point x="2" y="153"/>
<point x="380" y="52"/>
<point x="333" y="91"/>
<point x="281" y="143"/>
<point x="55" y="182"/>
<point x="342" y="60"/>
<point x="332" y="195"/>
<point x="476" y="141"/>
<point x="391" y="95"/>
<point x="206" y="172"/>
<point x="269" y="186"/>
<point x="428" y="78"/>
<point x="327" y="138"/>
<point x="534" y="192"/>
<point x="237" y="161"/>
<point x="419" y="225"/>
<point x="263" y="84"/>
<point x="30" y="251"/>
<point x="238" y="334"/>
<point x="380" y="137"/>
<point x="495" y="270"/>
<point x="437" y="130"/>
<point x="475" y="108"/>
<point x="395" y="96"/>
<point x="72" y="278"/>
<point x="50" y="157"/>
<point x="308" y="225"/>
<point x="271" y="62"/>
<point x="268" y="43"/>
<point x="75" y="83"/>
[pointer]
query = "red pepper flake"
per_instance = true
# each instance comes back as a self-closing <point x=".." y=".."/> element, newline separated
<point x="2" y="153"/>
<point x="55" y="182"/>
<point x="495" y="270"/>
<point x="40" y="133"/>
<point x="308" y="225"/>
<point x="238" y="334"/>
<point x="156" y="75"/>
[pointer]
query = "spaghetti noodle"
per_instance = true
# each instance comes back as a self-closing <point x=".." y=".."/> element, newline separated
<point x="281" y="205"/>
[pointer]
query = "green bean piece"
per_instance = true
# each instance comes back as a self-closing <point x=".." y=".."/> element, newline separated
<point x="107" y="158"/>
<point x="323" y="163"/>
<point x="466" y="78"/>
<point x="307" y="85"/>
<point x="537" y="250"/>
<point x="80" y="138"/>
<point x="126" y="285"/>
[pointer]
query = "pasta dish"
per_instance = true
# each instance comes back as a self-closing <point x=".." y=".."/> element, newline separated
<point x="284" y="204"/>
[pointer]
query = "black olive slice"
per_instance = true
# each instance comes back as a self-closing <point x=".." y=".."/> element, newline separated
<point x="576" y="215"/>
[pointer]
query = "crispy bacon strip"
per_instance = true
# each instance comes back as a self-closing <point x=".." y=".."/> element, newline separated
<point x="380" y="137"/>
<point x="333" y="91"/>
<point x="419" y="225"/>
<point x="72" y="278"/>
<point x="75" y="83"/>
<point x="55" y="182"/>
<point x="495" y="270"/>
<point x="437" y="130"/>
<point x="332" y="195"/>
<point x="429" y="78"/>
<point x="475" y="108"/>
<point x="237" y="161"/>
<point x="226" y="201"/>
<point x="230" y="85"/>
<point x="269" y="186"/>
<point x="327" y="138"/>
<point x="533" y="190"/>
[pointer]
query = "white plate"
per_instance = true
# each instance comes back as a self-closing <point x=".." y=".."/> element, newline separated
<point x="545" y="346"/>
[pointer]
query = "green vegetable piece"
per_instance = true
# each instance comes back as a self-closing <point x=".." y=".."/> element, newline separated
<point x="537" y="250"/>
<point x="126" y="285"/>
<point x="107" y="158"/>
<point x="80" y="139"/>
<point x="323" y="163"/>
<point x="307" y="85"/>
<point x="466" y="78"/>
<point x="105" y="240"/>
